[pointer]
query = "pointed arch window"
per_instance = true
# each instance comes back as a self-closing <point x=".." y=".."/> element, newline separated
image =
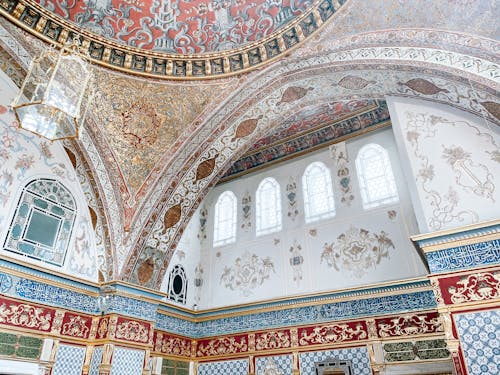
<point x="268" y="207"/>
<point x="375" y="176"/>
<point x="319" y="202"/>
<point x="43" y="222"/>
<point x="177" y="284"/>
<point x="225" y="219"/>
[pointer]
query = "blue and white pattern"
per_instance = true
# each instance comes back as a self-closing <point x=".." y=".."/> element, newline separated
<point x="301" y="315"/>
<point x="237" y="367"/>
<point x="133" y="307"/>
<point x="69" y="360"/>
<point x="95" y="361"/>
<point x="54" y="296"/>
<point x="5" y="283"/>
<point x="127" y="361"/>
<point x="464" y="257"/>
<point x="358" y="357"/>
<point x="480" y="339"/>
<point x="283" y="363"/>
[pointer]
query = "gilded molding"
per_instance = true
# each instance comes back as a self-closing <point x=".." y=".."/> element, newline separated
<point x="43" y="24"/>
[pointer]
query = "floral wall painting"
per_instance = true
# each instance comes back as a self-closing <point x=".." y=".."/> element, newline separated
<point x="202" y="232"/>
<point x="247" y="273"/>
<point x="338" y="153"/>
<point x="246" y="207"/>
<point x="291" y="196"/>
<point x="357" y="251"/>
<point x="25" y="157"/>
<point x="296" y="261"/>
<point x="455" y="160"/>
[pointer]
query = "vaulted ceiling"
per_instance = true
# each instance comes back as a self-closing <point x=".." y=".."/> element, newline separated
<point x="153" y="147"/>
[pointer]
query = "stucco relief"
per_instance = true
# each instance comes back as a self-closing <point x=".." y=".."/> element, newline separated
<point x="472" y="176"/>
<point x="357" y="251"/>
<point x="247" y="273"/>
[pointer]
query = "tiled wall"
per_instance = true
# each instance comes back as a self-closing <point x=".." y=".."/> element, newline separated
<point x="127" y="362"/>
<point x="69" y="360"/>
<point x="236" y="367"/>
<point x="281" y="363"/>
<point x="358" y="357"/>
<point x="480" y="338"/>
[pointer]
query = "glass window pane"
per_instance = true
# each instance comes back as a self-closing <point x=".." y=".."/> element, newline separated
<point x="225" y="219"/>
<point x="375" y="176"/>
<point x="268" y="207"/>
<point x="318" y="192"/>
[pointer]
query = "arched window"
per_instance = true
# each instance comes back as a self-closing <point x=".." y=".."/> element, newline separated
<point x="43" y="222"/>
<point x="318" y="193"/>
<point x="375" y="176"/>
<point x="268" y="202"/>
<point x="225" y="219"/>
<point x="177" y="284"/>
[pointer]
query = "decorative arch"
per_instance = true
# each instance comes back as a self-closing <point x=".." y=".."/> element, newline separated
<point x="250" y="113"/>
<point x="42" y="225"/>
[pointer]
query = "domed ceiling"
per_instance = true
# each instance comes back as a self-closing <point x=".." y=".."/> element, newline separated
<point x="176" y="39"/>
<point x="181" y="26"/>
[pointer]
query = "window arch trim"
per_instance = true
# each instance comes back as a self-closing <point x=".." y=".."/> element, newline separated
<point x="42" y="224"/>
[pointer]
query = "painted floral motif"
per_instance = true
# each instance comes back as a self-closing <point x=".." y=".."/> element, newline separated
<point x="339" y="155"/>
<point x="76" y="327"/>
<point x="272" y="340"/>
<point x="445" y="206"/>
<point x="132" y="331"/>
<point x="291" y="195"/>
<point x="476" y="287"/>
<point x="83" y="257"/>
<point x="198" y="282"/>
<point x="183" y="27"/>
<point x="248" y="272"/>
<point x="296" y="261"/>
<point x="165" y="343"/>
<point x="409" y="325"/>
<point x="246" y="207"/>
<point x="202" y="233"/>
<point x="24" y="315"/>
<point x="357" y="250"/>
<point x="222" y="346"/>
<point x="471" y="176"/>
<point x="332" y="333"/>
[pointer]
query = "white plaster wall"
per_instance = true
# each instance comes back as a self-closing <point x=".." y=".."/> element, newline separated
<point x="451" y="160"/>
<point x="187" y="254"/>
<point x="24" y="157"/>
<point x="261" y="266"/>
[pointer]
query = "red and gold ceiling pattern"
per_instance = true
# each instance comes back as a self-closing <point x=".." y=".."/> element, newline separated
<point x="175" y="39"/>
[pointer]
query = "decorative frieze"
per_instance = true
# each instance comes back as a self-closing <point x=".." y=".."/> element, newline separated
<point x="333" y="333"/>
<point x="409" y="325"/>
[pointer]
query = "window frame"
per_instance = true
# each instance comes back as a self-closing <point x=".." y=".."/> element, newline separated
<point x="217" y="241"/>
<point x="308" y="194"/>
<point x="259" y="230"/>
<point x="388" y="176"/>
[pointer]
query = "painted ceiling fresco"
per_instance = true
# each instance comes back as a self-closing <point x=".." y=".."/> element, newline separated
<point x="180" y="26"/>
<point x="132" y="145"/>
<point x="309" y="129"/>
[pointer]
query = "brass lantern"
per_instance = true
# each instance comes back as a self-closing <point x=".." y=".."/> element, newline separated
<point x="49" y="103"/>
